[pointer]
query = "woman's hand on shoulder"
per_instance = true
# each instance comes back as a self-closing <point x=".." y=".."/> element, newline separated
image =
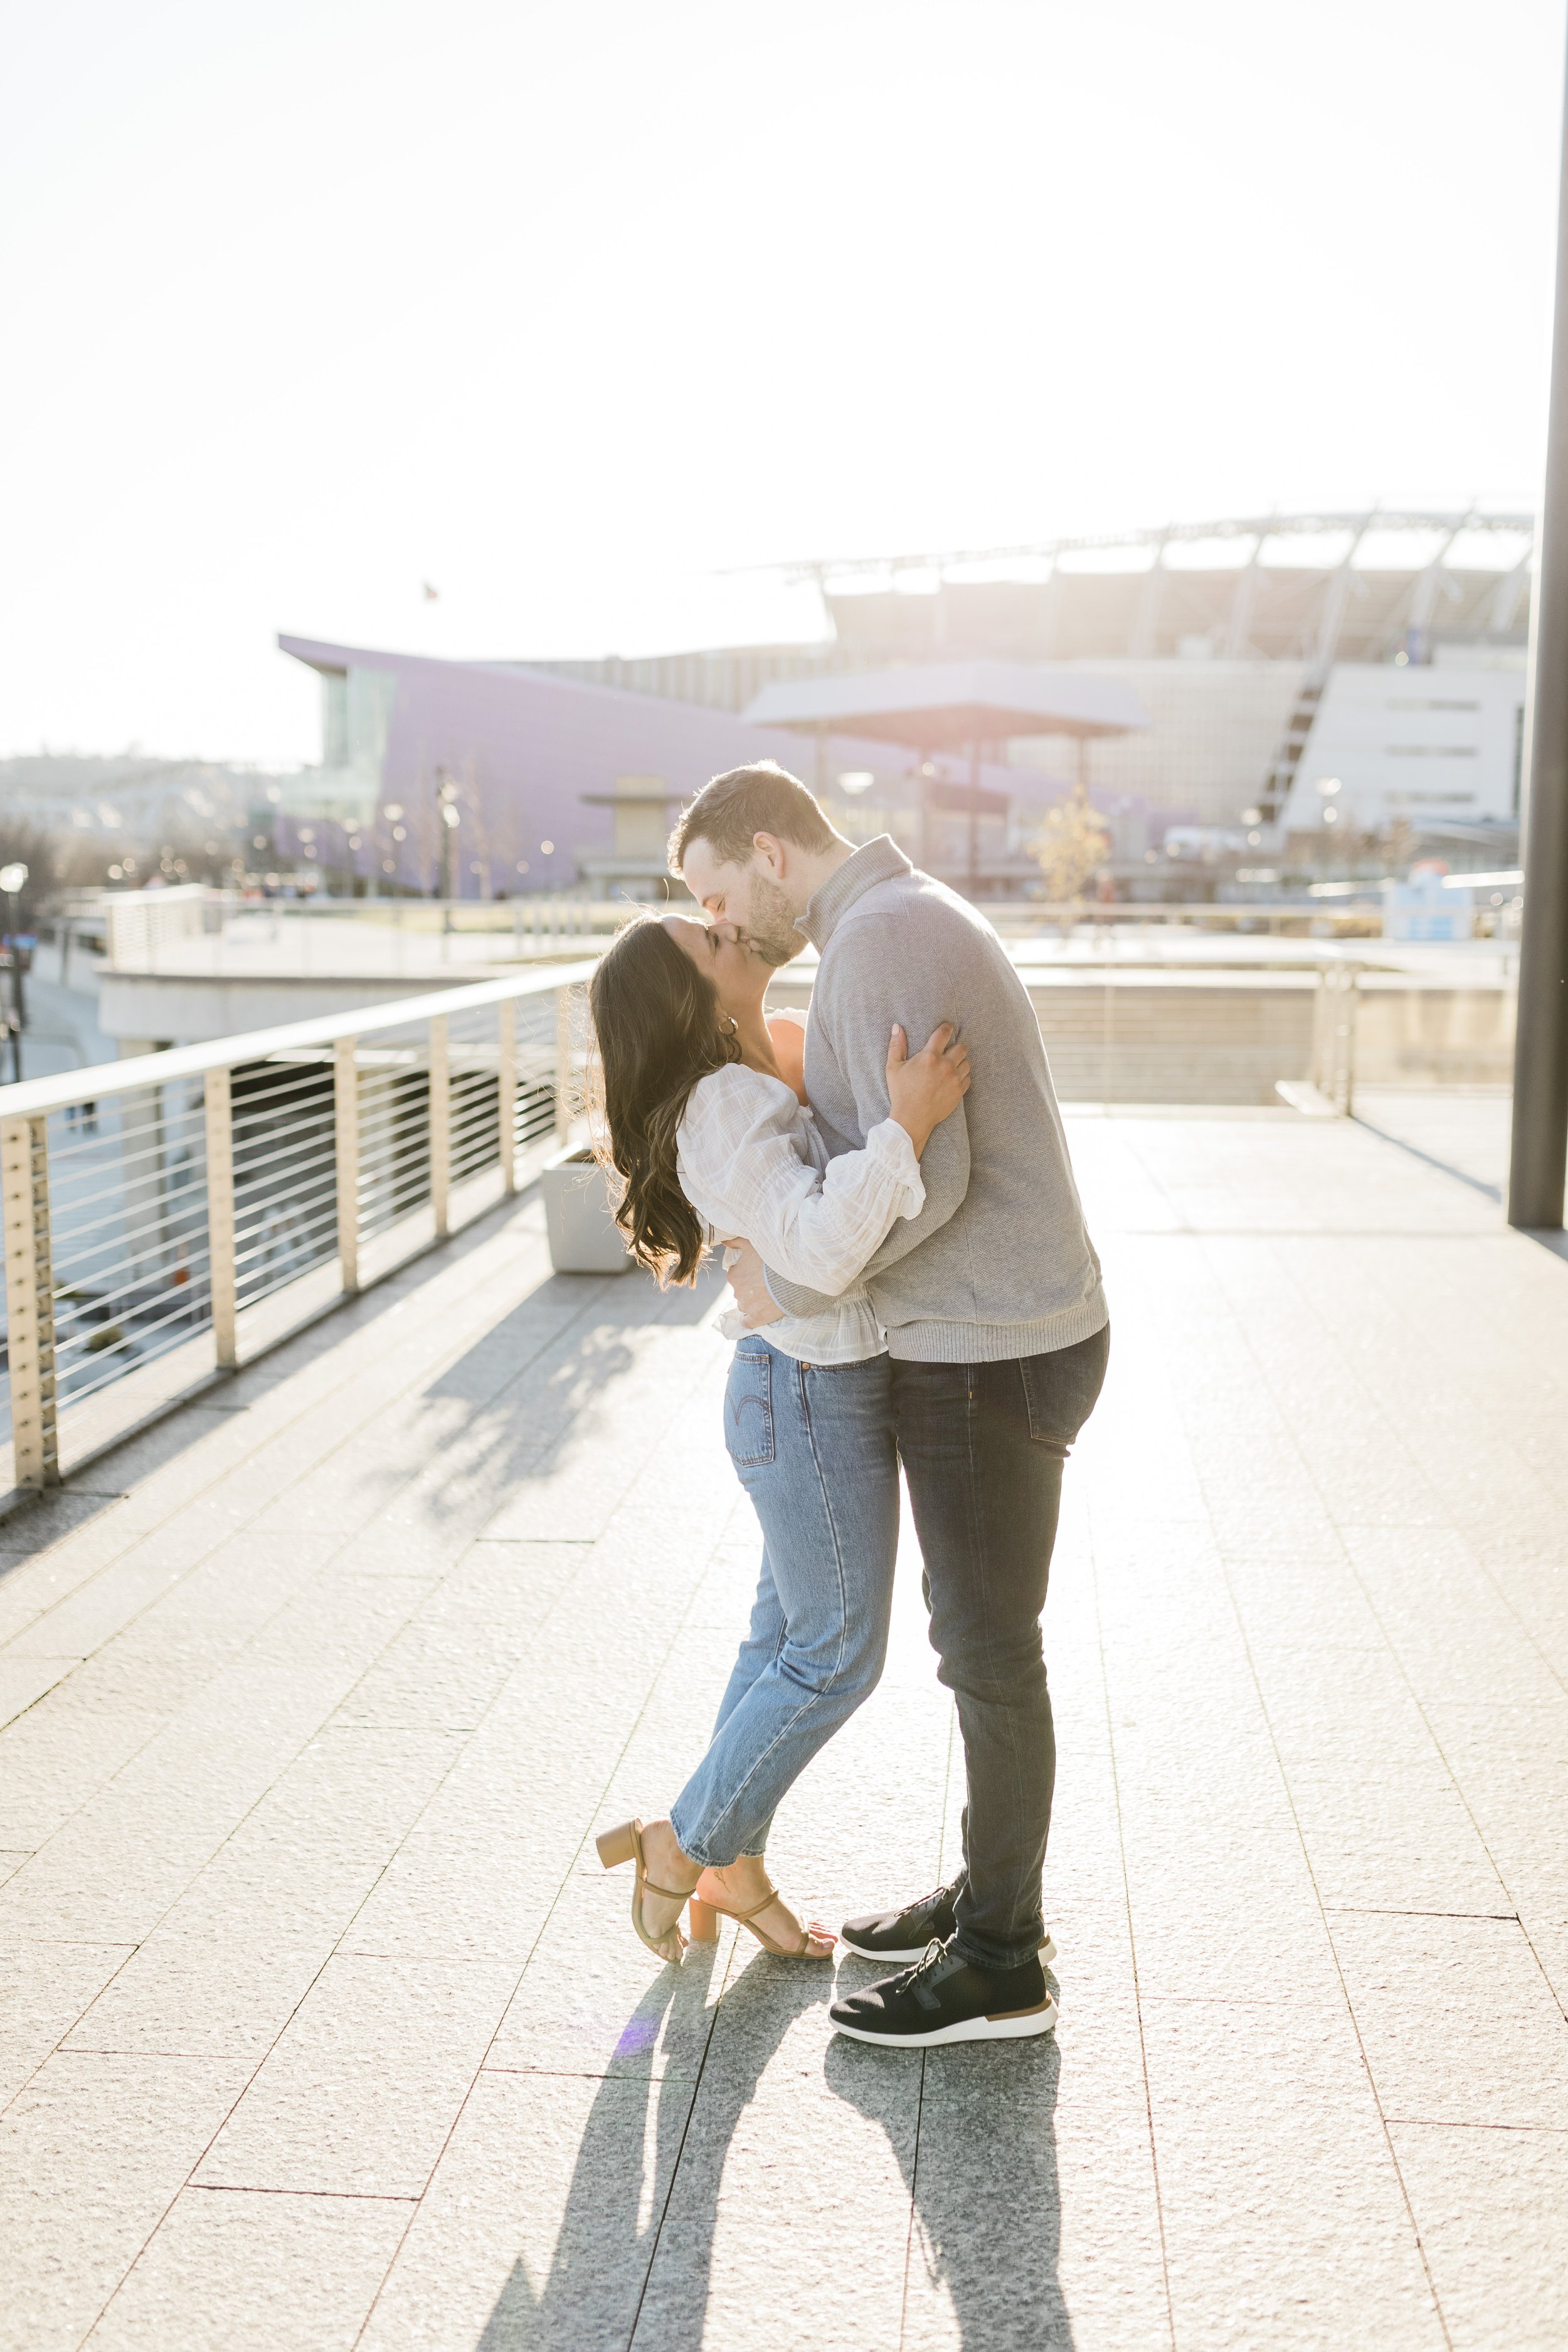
<point x="926" y="1087"/>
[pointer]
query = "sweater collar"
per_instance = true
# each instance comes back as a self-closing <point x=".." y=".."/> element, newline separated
<point x="878" y="861"/>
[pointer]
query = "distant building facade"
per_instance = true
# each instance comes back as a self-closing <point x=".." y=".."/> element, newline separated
<point x="1244" y="638"/>
<point x="1303" y="672"/>
<point x="554" y="781"/>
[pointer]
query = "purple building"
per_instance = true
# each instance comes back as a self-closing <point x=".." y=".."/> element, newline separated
<point x="552" y="782"/>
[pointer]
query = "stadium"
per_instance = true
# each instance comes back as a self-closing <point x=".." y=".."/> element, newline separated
<point x="1249" y="641"/>
<point x="1305" y="682"/>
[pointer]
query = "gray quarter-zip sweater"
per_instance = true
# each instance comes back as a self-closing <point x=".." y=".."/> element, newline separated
<point x="998" y="1263"/>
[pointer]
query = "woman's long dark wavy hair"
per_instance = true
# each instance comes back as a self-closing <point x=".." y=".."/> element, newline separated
<point x="657" y="1025"/>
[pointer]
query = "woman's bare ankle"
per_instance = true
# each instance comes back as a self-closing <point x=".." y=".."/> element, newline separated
<point x="664" y="1860"/>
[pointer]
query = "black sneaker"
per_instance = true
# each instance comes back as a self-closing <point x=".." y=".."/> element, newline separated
<point x="943" y="1999"/>
<point x="901" y="1937"/>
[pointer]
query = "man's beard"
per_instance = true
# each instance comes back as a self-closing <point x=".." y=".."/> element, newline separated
<point x="770" y="930"/>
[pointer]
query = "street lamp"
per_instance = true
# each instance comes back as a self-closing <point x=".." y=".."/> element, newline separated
<point x="446" y="804"/>
<point x="13" y="880"/>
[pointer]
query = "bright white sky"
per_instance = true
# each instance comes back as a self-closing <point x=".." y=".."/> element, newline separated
<point x="565" y="308"/>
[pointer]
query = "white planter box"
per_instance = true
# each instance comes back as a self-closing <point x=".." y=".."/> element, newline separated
<point x="584" y="1237"/>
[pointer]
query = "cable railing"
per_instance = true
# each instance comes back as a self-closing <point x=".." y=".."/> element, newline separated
<point x="171" y="1216"/>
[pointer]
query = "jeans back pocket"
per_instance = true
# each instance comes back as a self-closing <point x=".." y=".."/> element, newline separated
<point x="1061" y="1390"/>
<point x="749" y="1405"/>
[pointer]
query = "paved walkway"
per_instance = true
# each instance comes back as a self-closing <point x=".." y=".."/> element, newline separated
<point x="323" y="2027"/>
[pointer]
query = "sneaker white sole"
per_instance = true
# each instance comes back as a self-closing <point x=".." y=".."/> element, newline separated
<point x="1014" y="2026"/>
<point x="906" y="1960"/>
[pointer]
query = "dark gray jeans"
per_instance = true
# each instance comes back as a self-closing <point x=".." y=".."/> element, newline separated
<point x="983" y="1448"/>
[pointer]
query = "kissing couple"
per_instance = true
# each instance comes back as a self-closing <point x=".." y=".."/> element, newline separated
<point x="915" y="1286"/>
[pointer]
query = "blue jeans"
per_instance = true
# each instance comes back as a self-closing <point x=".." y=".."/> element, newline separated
<point x="813" y="1445"/>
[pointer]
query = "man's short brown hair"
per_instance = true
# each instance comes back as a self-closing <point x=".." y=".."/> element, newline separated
<point x="730" y="811"/>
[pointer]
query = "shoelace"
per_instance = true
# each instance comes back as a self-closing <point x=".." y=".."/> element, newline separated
<point x="929" y="1902"/>
<point x="933" y="1952"/>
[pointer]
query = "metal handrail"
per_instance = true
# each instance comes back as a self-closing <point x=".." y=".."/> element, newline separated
<point x="188" y="1200"/>
<point x="35" y="1094"/>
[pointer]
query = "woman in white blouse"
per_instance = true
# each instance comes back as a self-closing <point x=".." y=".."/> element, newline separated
<point x="709" y="1135"/>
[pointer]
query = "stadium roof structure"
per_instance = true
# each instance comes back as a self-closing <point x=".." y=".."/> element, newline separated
<point x="949" y="706"/>
<point x="1362" y="584"/>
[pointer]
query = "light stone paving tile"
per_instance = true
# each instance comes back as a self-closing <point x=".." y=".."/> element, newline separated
<point x="1536" y="1589"/>
<point x="1389" y="1836"/>
<point x="202" y="1996"/>
<point x="10" y="1863"/>
<point x="358" y="2094"/>
<point x="455" y="1652"/>
<point x="119" y="1592"/>
<point x="135" y="1848"/>
<point x="464" y="1894"/>
<point x="791" y="2198"/>
<point x="1455" y="1635"/>
<point x="541" y="2220"/>
<point x="1457" y="2022"/>
<point x="138" y="1670"/>
<point x="1054" y="2135"/>
<point x="24" y="1680"/>
<point x="56" y="1756"/>
<point x="1490" y="2207"/>
<point x="78" y="1887"/>
<point x="30" y="1583"/>
<point x="281" y="1882"/>
<point x="338" y="1625"/>
<point x="1511" y="1764"/>
<point x="1229" y="1916"/>
<point x="1283" y="2215"/>
<point x="382" y="1549"/>
<point x="439" y="2009"/>
<point x="1259" y="1521"/>
<point x="255" y="2274"/>
<point x="361" y="1785"/>
<point x="340" y="2125"/>
<point x="232" y="1594"/>
<point x="572" y="1502"/>
<point x="723" y="1600"/>
<point x="92" y="2152"/>
<point x="593" y="2001"/>
<point x="1327" y="1705"/>
<point x="44" y="1990"/>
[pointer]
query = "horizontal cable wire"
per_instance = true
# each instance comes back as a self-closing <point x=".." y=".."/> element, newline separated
<point x="128" y="1192"/>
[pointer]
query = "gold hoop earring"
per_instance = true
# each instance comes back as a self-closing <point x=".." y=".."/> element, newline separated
<point x="735" y="1024"/>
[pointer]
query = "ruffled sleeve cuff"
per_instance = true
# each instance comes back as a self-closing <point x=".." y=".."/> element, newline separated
<point x="888" y="1145"/>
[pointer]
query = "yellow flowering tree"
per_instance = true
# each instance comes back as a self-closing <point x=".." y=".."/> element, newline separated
<point x="1070" y="846"/>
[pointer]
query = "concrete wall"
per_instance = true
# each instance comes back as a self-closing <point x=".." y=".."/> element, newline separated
<point x="1221" y="1037"/>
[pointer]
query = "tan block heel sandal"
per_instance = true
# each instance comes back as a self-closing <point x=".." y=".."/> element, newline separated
<point x="625" y="1844"/>
<point x="706" y="1910"/>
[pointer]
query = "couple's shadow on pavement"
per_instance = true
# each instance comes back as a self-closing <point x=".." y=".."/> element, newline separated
<point x="983" y="2181"/>
<point x="973" y="2129"/>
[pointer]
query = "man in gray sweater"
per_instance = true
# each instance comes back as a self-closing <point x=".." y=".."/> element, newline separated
<point x="998" y="1333"/>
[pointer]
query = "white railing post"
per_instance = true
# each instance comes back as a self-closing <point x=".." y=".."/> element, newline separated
<point x="1349" y="1021"/>
<point x="30" y="1299"/>
<point x="1334" y="1020"/>
<point x="563" y="1063"/>
<point x="506" y="1092"/>
<point x="441" y="1127"/>
<point x="345" y="1115"/>
<point x="222" y="1272"/>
